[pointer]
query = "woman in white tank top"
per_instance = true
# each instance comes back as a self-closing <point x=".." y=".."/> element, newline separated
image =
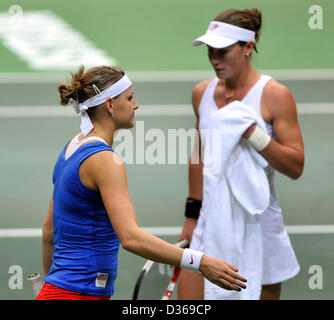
<point x="231" y="39"/>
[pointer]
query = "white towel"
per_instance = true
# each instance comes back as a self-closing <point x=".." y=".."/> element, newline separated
<point x="235" y="192"/>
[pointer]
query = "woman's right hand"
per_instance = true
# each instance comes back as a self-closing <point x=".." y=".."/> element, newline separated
<point x="222" y="273"/>
<point x="188" y="229"/>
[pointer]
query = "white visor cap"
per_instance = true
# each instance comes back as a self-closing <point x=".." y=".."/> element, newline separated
<point x="220" y="35"/>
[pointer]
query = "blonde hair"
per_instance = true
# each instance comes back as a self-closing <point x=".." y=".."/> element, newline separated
<point x="80" y="86"/>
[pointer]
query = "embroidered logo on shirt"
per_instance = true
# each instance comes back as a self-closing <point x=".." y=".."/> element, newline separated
<point x="192" y="260"/>
<point x="101" y="280"/>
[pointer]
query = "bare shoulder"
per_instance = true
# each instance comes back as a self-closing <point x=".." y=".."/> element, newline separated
<point x="104" y="165"/>
<point x="276" y="90"/>
<point x="278" y="98"/>
<point x="106" y="157"/>
<point x="197" y="94"/>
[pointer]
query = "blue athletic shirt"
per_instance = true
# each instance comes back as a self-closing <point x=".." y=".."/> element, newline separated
<point x="85" y="243"/>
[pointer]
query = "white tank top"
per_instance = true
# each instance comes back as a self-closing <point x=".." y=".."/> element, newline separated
<point x="252" y="98"/>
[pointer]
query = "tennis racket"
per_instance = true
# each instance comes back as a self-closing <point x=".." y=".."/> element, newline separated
<point x="157" y="280"/>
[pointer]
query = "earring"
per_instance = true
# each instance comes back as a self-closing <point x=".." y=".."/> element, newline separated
<point x="247" y="54"/>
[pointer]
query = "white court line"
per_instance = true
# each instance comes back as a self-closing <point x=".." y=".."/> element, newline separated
<point x="171" y="76"/>
<point x="21" y="233"/>
<point x="307" y="229"/>
<point x="168" y="231"/>
<point x="148" y="110"/>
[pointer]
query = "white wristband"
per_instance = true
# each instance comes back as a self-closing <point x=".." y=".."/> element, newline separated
<point x="191" y="259"/>
<point x="259" y="139"/>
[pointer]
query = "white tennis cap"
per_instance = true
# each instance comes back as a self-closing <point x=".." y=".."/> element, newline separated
<point x="221" y="35"/>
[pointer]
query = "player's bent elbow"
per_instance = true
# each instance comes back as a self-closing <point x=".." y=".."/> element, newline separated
<point x="131" y="245"/>
<point x="296" y="174"/>
<point x="298" y="170"/>
<point x="128" y="244"/>
<point x="129" y="240"/>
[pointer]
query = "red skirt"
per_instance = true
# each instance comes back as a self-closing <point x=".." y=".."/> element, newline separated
<point x="52" y="292"/>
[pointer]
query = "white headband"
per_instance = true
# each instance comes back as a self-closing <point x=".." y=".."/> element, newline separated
<point x="221" y="35"/>
<point x="112" y="91"/>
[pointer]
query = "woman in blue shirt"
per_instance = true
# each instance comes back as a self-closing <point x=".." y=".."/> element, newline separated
<point x="90" y="211"/>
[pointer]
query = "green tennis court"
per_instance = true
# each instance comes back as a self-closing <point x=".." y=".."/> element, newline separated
<point x="152" y="41"/>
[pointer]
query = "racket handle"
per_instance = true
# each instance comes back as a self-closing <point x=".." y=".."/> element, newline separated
<point x="169" y="291"/>
<point x="36" y="282"/>
<point x="172" y="283"/>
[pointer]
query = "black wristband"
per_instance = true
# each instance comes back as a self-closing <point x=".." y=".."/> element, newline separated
<point x="193" y="207"/>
